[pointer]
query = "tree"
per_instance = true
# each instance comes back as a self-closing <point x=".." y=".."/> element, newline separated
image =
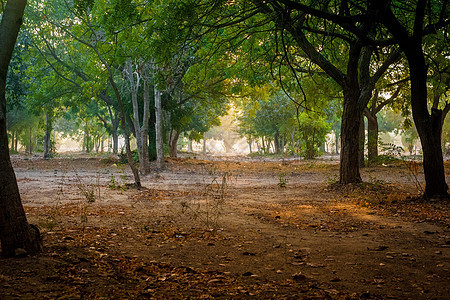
<point x="410" y="29"/>
<point x="15" y="232"/>
<point x="90" y="35"/>
<point x="377" y="103"/>
<point x="141" y="131"/>
<point x="312" y="131"/>
<point x="320" y="32"/>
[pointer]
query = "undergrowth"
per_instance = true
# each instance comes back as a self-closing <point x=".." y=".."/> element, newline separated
<point x="209" y="208"/>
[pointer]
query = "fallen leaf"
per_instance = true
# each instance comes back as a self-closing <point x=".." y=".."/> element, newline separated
<point x="379" y="248"/>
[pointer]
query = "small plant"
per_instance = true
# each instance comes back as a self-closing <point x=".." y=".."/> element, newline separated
<point x="88" y="190"/>
<point x="332" y="179"/>
<point x="50" y="221"/>
<point x="210" y="208"/>
<point x="115" y="184"/>
<point x="112" y="182"/>
<point x="412" y="165"/>
<point x="83" y="215"/>
<point x="283" y="180"/>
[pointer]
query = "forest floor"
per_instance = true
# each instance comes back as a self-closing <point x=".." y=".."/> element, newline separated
<point x="229" y="227"/>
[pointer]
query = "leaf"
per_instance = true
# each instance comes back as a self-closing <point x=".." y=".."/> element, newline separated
<point x="298" y="276"/>
<point x="379" y="248"/>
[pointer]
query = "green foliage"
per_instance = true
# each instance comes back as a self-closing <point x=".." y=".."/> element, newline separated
<point x="283" y="180"/>
<point x="312" y="131"/>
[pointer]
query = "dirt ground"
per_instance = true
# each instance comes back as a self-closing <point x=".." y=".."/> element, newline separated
<point x="228" y="227"/>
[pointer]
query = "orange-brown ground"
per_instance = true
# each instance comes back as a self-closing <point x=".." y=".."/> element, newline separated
<point x="227" y="228"/>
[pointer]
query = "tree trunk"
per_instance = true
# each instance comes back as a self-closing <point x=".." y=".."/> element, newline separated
<point x="336" y="140"/>
<point x="152" y="137"/>
<point x="13" y="135"/>
<point x="351" y="116"/>
<point x="16" y="143"/>
<point x="47" y="136"/>
<point x="173" y="143"/>
<point x="115" y="121"/>
<point x="115" y="142"/>
<point x="263" y="145"/>
<point x="140" y="132"/>
<point x="159" y="133"/>
<point x="249" y="141"/>
<point x="30" y="147"/>
<point x="190" y="146"/>
<point x="145" y="164"/>
<point x="428" y="126"/>
<point x="204" y="143"/>
<point x="14" y="229"/>
<point x="372" y="135"/>
<point x="134" y="170"/>
<point x="277" y="142"/>
<point x="362" y="141"/>
<point x="87" y="141"/>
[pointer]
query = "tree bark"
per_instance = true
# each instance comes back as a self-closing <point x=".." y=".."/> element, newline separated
<point x="13" y="135"/>
<point x="152" y="136"/>
<point x="429" y="126"/>
<point x="277" y="141"/>
<point x="30" y="140"/>
<point x="351" y="116"/>
<point x="115" y="121"/>
<point x="47" y="136"/>
<point x="336" y="140"/>
<point x="372" y="135"/>
<point x="173" y="143"/>
<point x="159" y="133"/>
<point x="141" y="132"/>
<point x="15" y="232"/>
<point x="204" y="143"/>
<point x="16" y="145"/>
<point x="145" y="164"/>
<point x="362" y="142"/>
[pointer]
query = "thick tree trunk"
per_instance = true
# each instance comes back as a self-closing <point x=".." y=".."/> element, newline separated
<point x="115" y="141"/>
<point x="372" y="136"/>
<point x="429" y="128"/>
<point x="159" y="133"/>
<point x="15" y="232"/>
<point x="351" y="116"/>
<point x="173" y="143"/>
